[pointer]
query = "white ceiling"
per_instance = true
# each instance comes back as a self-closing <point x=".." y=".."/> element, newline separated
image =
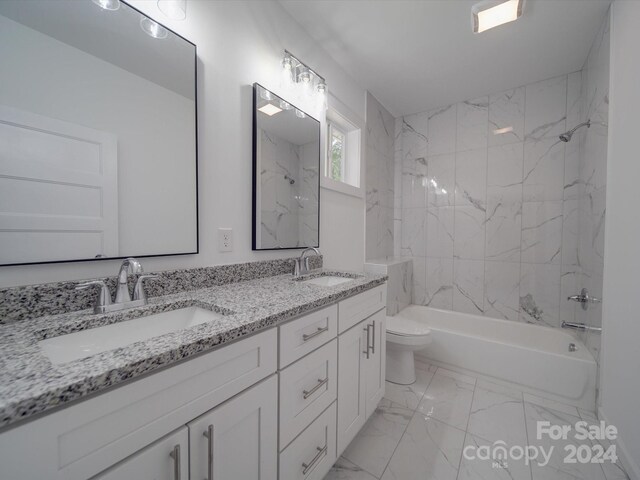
<point x="417" y="55"/>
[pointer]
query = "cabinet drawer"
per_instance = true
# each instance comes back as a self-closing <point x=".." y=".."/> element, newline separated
<point x="357" y="308"/>
<point x="304" y="335"/>
<point x="166" y="459"/>
<point x="313" y="453"/>
<point x="307" y="388"/>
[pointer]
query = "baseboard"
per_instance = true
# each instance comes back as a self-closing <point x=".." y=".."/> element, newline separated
<point x="629" y="464"/>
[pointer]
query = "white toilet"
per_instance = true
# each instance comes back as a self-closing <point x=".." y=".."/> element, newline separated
<point x="404" y="337"/>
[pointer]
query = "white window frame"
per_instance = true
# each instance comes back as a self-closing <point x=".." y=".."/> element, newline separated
<point x="345" y="120"/>
<point x="331" y="126"/>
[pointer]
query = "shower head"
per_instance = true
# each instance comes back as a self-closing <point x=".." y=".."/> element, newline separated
<point x="566" y="136"/>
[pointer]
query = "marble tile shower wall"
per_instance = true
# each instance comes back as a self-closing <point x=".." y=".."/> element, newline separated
<point x="380" y="150"/>
<point x="288" y="180"/>
<point x="592" y="183"/>
<point x="489" y="202"/>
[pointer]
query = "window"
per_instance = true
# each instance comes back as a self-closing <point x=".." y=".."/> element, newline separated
<point x="337" y="153"/>
<point x="341" y="170"/>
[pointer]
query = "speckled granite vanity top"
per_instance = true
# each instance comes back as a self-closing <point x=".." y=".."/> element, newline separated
<point x="31" y="384"/>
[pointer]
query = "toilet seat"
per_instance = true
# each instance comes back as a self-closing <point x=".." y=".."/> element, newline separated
<point x="402" y="331"/>
<point x="405" y="327"/>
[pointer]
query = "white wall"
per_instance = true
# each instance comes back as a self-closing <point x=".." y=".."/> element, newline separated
<point x="239" y="42"/>
<point x="621" y="321"/>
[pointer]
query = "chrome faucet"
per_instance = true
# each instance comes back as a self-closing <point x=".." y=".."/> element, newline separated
<point x="104" y="304"/>
<point x="301" y="264"/>
<point x="122" y="289"/>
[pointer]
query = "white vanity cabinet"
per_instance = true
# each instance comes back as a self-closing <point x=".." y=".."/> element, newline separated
<point x="283" y="403"/>
<point x="361" y="372"/>
<point x="238" y="439"/>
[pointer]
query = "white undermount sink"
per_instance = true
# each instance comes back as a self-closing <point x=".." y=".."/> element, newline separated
<point x="86" y="343"/>
<point x="328" y="280"/>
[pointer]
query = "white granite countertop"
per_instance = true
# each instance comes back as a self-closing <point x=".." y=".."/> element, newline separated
<point x="30" y="384"/>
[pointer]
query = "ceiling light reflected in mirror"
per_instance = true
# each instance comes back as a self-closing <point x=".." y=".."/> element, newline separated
<point x="152" y="28"/>
<point x="270" y="109"/>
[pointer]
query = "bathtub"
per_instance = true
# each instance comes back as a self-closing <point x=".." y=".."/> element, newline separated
<point x="535" y="358"/>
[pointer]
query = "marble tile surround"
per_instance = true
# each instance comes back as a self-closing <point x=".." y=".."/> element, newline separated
<point x="492" y="204"/>
<point x="399" y="286"/>
<point x="590" y="203"/>
<point x="380" y="170"/>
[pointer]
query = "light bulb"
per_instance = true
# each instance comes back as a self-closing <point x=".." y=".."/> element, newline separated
<point x="173" y="9"/>
<point x="321" y="87"/>
<point x="108" y="4"/>
<point x="286" y="62"/>
<point x="152" y="28"/>
<point x="266" y="94"/>
<point x="304" y="76"/>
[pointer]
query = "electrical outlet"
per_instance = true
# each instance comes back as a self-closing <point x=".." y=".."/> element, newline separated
<point x="225" y="239"/>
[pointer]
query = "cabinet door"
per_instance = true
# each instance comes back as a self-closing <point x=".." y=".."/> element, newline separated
<point x="238" y="439"/>
<point x="374" y="366"/>
<point x="166" y="459"/>
<point x="351" y="386"/>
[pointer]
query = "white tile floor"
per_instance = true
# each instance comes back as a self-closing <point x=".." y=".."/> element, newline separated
<point x="419" y="432"/>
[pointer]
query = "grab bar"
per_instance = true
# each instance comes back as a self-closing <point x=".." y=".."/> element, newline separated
<point x="580" y="326"/>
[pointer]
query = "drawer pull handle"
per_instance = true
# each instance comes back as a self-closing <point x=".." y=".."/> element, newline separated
<point x="175" y="454"/>
<point x="307" y="337"/>
<point x="307" y="393"/>
<point x="368" y="330"/>
<point x="321" y="451"/>
<point x="209" y="435"/>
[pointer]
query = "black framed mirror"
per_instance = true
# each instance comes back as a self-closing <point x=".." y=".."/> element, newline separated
<point x="98" y="134"/>
<point x="286" y="174"/>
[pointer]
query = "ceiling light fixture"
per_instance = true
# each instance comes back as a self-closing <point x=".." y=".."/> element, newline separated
<point x="492" y="13"/>
<point x="173" y="9"/>
<point x="108" y="4"/>
<point x="300" y="114"/>
<point x="152" y="28"/>
<point x="270" y="109"/>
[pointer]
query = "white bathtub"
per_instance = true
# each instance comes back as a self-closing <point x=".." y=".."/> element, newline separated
<point x="535" y="358"/>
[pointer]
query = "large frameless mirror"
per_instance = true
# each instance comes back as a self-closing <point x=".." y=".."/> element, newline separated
<point x="97" y="133"/>
<point x="286" y="174"/>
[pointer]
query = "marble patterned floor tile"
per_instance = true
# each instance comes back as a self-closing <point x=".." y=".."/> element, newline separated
<point x="551" y="404"/>
<point x="429" y="449"/>
<point x="457" y="375"/>
<point x="473" y="468"/>
<point x="557" y="468"/>
<point x="448" y="400"/>
<point x="372" y="448"/>
<point x="497" y="416"/>
<point x="409" y="396"/>
<point x="346" y="470"/>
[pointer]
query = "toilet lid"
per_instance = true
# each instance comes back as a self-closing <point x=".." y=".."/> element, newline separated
<point x="405" y="327"/>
